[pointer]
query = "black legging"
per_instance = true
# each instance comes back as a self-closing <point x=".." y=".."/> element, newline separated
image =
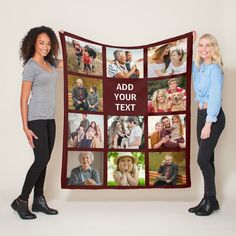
<point x="45" y="131"/>
<point x="206" y="150"/>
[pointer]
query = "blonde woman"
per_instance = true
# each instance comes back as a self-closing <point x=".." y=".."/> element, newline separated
<point x="159" y="102"/>
<point x="117" y="134"/>
<point x="208" y="81"/>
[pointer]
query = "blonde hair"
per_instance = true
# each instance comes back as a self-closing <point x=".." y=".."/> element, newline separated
<point x="179" y="123"/>
<point x="113" y="130"/>
<point x="216" y="56"/>
<point x="163" y="106"/>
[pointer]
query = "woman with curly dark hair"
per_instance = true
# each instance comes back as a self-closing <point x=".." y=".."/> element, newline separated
<point x="39" y="49"/>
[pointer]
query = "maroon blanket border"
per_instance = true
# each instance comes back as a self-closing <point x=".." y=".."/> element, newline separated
<point x="64" y="184"/>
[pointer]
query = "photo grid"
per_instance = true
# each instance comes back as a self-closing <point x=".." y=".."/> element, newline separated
<point x="126" y="151"/>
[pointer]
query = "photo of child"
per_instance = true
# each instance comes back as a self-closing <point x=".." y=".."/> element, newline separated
<point x="126" y="169"/>
<point x="84" y="57"/>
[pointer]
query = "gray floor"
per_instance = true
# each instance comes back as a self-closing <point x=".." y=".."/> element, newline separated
<point x="120" y="218"/>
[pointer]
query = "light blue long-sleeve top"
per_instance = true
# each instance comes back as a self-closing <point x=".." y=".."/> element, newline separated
<point x="208" y="84"/>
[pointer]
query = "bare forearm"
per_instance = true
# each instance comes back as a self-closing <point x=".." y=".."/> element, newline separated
<point x="133" y="181"/>
<point x="24" y="114"/>
<point x="25" y="93"/>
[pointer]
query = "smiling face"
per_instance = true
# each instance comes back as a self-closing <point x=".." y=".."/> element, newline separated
<point x="173" y="85"/>
<point x="118" y="126"/>
<point x="168" y="159"/>
<point x="174" y="119"/>
<point x="91" y="90"/>
<point x="84" y="117"/>
<point x="122" y="58"/>
<point x="125" y="163"/>
<point x="93" y="124"/>
<point x="175" y="57"/>
<point x="166" y="50"/>
<point x="160" y="98"/>
<point x="42" y="45"/>
<point x="85" y="161"/>
<point x="159" y="127"/>
<point x="166" y="122"/>
<point x="205" y="50"/>
<point x="90" y="132"/>
<point x="79" y="82"/>
<point x="129" y="56"/>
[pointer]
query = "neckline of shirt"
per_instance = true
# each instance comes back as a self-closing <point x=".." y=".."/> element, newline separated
<point x="50" y="72"/>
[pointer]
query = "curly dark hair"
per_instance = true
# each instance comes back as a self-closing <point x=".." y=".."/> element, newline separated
<point x="27" y="48"/>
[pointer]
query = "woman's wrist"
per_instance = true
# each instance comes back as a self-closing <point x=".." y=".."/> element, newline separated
<point x="25" y="128"/>
<point x="208" y="124"/>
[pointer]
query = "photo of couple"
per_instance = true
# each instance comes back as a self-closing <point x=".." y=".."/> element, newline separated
<point x="167" y="95"/>
<point x="83" y="57"/>
<point x="85" y="131"/>
<point x="167" y="59"/>
<point x="124" y="63"/>
<point x="167" y="131"/>
<point x="125" y="132"/>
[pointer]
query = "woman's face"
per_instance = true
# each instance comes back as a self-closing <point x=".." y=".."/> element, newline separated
<point x="166" y="51"/>
<point x="159" y="127"/>
<point x="42" y="45"/>
<point x="125" y="163"/>
<point x="205" y="50"/>
<point x="175" y="58"/>
<point x="118" y="125"/>
<point x="160" y="98"/>
<point x="85" y="161"/>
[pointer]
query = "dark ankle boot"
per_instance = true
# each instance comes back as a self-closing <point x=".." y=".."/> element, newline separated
<point x="22" y="209"/>
<point x="198" y="207"/>
<point x="40" y="204"/>
<point x="208" y="208"/>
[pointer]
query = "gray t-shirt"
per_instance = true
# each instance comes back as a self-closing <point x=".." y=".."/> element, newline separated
<point x="42" y="102"/>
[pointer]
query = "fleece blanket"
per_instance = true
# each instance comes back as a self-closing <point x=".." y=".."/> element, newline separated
<point x="126" y="114"/>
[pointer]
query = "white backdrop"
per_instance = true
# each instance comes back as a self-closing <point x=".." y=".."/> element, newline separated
<point x="129" y="22"/>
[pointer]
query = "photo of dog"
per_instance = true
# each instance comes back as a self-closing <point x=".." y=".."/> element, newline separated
<point x="177" y="102"/>
<point x="167" y="95"/>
